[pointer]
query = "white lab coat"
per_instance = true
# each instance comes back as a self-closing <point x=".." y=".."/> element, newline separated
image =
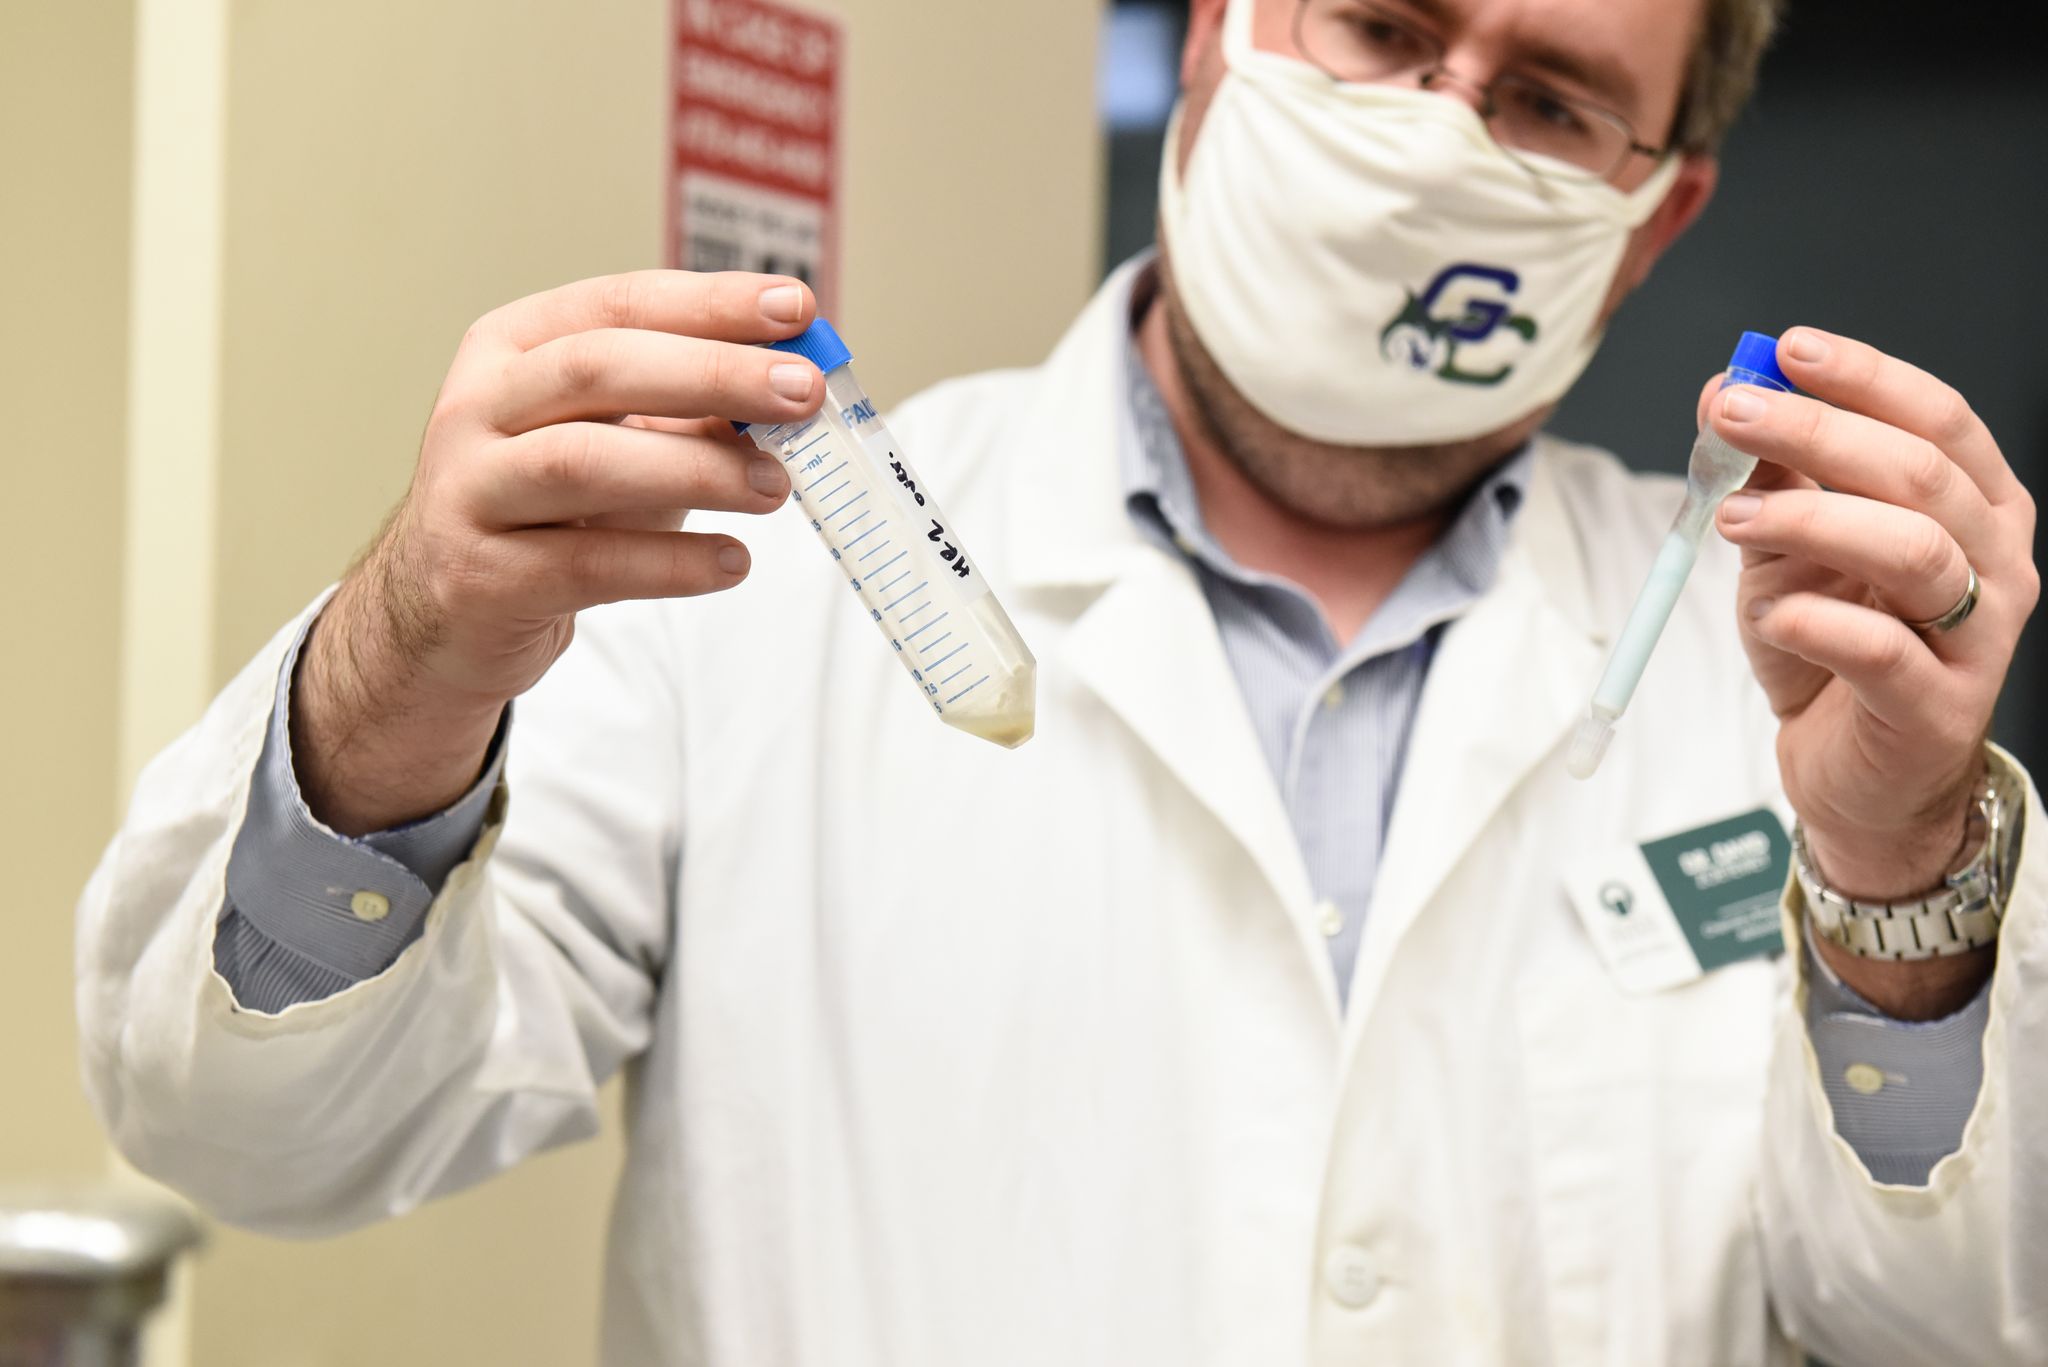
<point x="941" y="1054"/>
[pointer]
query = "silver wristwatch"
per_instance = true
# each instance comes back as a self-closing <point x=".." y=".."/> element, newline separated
<point x="1962" y="914"/>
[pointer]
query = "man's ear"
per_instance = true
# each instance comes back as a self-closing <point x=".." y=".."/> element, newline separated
<point x="1205" y="24"/>
<point x="1698" y="174"/>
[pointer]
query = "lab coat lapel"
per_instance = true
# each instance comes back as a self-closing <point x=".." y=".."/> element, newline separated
<point x="1144" y="641"/>
<point x="1506" y="685"/>
<point x="1148" y="647"/>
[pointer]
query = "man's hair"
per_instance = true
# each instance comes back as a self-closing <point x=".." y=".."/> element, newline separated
<point x="1732" y="40"/>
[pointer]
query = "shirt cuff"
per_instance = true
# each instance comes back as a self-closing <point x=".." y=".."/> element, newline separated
<point x="342" y="908"/>
<point x="1901" y="1091"/>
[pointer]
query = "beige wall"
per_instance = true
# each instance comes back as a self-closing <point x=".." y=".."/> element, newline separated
<point x="64" y="167"/>
<point x="396" y="169"/>
<point x="334" y="192"/>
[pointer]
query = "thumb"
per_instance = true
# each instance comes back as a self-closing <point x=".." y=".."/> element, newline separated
<point x="1707" y="397"/>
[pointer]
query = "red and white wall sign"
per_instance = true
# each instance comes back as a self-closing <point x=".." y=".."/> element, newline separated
<point x="754" y="141"/>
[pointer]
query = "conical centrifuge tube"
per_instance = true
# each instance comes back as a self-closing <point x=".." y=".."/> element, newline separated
<point x="903" y="556"/>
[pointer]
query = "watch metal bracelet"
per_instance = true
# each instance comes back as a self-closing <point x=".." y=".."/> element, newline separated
<point x="1961" y="915"/>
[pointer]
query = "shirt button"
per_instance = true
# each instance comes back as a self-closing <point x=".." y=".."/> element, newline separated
<point x="1350" y="1277"/>
<point x="1333" y="697"/>
<point x="1864" y="1078"/>
<point x="1330" y="919"/>
<point x="370" y="906"/>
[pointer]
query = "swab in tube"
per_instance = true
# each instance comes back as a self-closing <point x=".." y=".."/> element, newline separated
<point x="1715" y="471"/>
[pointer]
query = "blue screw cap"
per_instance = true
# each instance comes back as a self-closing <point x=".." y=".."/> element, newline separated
<point x="1756" y="362"/>
<point x="819" y="344"/>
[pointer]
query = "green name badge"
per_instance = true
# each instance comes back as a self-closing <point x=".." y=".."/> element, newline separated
<point x="1668" y="910"/>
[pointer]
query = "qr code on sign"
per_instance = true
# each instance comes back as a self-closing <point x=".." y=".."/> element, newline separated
<point x="730" y="226"/>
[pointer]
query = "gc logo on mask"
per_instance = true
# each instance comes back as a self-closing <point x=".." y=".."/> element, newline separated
<point x="1464" y="306"/>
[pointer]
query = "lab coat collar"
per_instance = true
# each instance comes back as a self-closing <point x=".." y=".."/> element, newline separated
<point x="1070" y="526"/>
<point x="1504" y="687"/>
<point x="1508" y="681"/>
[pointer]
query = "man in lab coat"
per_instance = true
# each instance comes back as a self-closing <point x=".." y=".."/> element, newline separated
<point x="1253" y="1012"/>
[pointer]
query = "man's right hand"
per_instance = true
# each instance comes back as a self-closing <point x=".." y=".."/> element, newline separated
<point x="575" y="430"/>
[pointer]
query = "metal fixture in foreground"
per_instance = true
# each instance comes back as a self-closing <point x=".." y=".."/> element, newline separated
<point x="80" y="1272"/>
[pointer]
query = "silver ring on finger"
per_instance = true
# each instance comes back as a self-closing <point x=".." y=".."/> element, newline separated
<point x="1955" y="616"/>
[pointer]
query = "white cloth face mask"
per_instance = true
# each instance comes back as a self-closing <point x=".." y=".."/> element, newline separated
<point x="1369" y="268"/>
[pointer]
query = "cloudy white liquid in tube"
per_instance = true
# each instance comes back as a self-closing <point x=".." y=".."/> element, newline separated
<point x="902" y="555"/>
<point x="1715" y="471"/>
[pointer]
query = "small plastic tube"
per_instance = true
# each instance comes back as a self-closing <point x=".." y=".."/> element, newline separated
<point x="1715" y="471"/>
<point x="901" y="554"/>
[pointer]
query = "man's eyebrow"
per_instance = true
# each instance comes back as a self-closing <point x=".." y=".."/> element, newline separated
<point x="1437" y="12"/>
<point x="1605" y="78"/>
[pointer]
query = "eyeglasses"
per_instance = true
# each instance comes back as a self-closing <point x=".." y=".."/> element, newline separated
<point x="1557" y="137"/>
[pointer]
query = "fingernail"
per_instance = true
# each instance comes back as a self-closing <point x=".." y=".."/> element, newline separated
<point x="733" y="559"/>
<point x="1740" y="507"/>
<point x="783" y="304"/>
<point x="765" y="475"/>
<point x="1739" y="405"/>
<point x="1804" y="346"/>
<point x="791" y="381"/>
<point x="1759" y="606"/>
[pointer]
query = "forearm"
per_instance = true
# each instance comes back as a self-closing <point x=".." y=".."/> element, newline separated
<point x="310" y="913"/>
<point x="1930" y="989"/>
<point x="375" y="741"/>
<point x="1893" y="866"/>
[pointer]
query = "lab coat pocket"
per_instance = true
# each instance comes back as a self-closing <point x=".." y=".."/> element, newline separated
<point x="1644" y="1119"/>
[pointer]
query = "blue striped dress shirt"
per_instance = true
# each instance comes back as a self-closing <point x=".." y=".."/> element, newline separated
<point x="1332" y="717"/>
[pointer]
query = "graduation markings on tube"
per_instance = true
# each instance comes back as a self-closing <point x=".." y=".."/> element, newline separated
<point x="902" y="555"/>
<point x="910" y="568"/>
<point x="836" y="508"/>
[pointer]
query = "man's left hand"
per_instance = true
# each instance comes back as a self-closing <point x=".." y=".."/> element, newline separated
<point x="1875" y="498"/>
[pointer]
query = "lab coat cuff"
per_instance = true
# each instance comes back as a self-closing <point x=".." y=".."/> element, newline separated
<point x="348" y="905"/>
<point x="1904" y="1096"/>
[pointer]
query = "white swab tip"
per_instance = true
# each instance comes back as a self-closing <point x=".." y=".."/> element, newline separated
<point x="1589" y="745"/>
